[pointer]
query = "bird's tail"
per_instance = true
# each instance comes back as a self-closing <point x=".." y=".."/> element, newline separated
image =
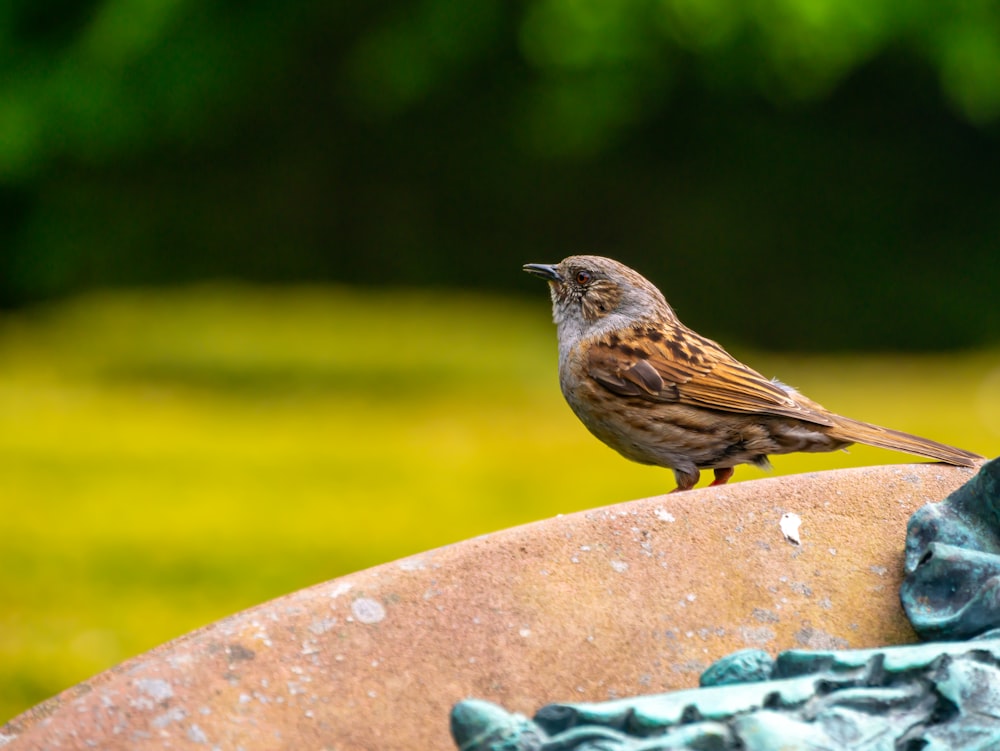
<point x="856" y="431"/>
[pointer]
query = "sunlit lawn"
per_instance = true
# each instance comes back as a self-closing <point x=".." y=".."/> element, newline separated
<point x="169" y="458"/>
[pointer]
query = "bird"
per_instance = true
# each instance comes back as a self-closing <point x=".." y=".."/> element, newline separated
<point x="661" y="394"/>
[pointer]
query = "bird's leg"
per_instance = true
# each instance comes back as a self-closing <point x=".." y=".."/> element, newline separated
<point x="722" y="475"/>
<point x="685" y="480"/>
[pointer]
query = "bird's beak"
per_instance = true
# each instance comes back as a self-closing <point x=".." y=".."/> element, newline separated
<point x="546" y="271"/>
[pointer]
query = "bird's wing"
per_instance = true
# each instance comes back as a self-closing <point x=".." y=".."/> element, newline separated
<point x="677" y="365"/>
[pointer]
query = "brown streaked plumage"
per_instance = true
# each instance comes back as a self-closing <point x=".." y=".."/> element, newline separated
<point x="659" y="393"/>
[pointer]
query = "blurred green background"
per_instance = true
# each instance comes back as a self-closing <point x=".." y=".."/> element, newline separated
<point x="263" y="321"/>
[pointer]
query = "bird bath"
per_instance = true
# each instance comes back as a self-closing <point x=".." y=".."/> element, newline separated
<point x="634" y="598"/>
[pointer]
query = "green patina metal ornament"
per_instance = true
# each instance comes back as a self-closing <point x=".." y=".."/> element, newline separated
<point x="933" y="696"/>
<point x="952" y="586"/>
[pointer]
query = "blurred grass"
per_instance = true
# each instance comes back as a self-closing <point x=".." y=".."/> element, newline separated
<point x="170" y="457"/>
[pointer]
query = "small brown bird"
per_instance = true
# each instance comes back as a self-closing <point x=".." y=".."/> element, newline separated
<point x="659" y="393"/>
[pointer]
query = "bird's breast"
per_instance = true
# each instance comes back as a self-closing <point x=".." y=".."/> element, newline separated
<point x="622" y="423"/>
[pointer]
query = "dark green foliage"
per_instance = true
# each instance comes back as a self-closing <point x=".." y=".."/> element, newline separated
<point x="795" y="174"/>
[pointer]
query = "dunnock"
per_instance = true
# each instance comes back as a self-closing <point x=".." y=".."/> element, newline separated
<point x="658" y="393"/>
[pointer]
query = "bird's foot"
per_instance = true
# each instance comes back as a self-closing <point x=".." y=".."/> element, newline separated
<point x="722" y="476"/>
<point x="685" y="480"/>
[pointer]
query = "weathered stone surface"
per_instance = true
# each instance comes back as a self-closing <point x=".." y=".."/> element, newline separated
<point x="629" y="599"/>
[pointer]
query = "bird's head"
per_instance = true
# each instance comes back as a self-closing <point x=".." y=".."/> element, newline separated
<point x="593" y="295"/>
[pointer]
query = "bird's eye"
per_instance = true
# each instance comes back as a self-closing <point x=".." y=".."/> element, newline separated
<point x="583" y="277"/>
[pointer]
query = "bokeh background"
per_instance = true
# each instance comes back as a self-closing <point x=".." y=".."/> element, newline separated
<point x="263" y="321"/>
